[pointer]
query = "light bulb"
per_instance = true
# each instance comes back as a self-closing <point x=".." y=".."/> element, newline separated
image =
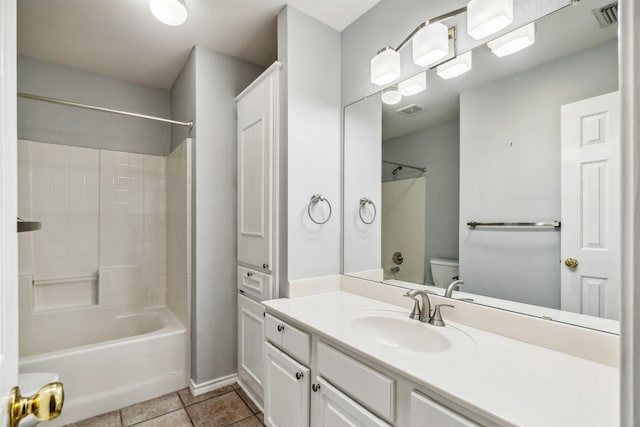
<point x="455" y="67"/>
<point x="486" y="17"/>
<point x="413" y="85"/>
<point x="430" y="44"/>
<point x="169" y="12"/>
<point x="385" y="67"/>
<point x="391" y="96"/>
<point x="514" y="41"/>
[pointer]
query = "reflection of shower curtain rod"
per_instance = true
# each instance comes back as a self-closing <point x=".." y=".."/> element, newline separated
<point x="421" y="169"/>
<point x="105" y="110"/>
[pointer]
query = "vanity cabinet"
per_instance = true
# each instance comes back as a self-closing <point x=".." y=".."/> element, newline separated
<point x="257" y="228"/>
<point x="346" y="389"/>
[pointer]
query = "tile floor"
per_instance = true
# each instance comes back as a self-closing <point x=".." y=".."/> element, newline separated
<point x="226" y="406"/>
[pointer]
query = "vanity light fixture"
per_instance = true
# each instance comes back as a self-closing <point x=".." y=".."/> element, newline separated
<point x="457" y="66"/>
<point x="169" y="12"/>
<point x="413" y="85"/>
<point x="391" y="96"/>
<point x="430" y="44"/>
<point x="514" y="41"/>
<point x="385" y="66"/>
<point x="486" y="17"/>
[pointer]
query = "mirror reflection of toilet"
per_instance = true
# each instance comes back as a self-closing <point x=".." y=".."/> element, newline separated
<point x="443" y="271"/>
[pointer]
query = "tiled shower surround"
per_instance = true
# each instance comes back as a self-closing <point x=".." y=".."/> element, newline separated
<point x="103" y="243"/>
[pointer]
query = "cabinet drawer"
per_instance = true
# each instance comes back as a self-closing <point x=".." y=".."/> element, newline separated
<point x="366" y="385"/>
<point x="253" y="283"/>
<point x="289" y="338"/>
<point x="427" y="412"/>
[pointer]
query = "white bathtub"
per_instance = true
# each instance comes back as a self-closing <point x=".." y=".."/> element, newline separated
<point x="109" y="363"/>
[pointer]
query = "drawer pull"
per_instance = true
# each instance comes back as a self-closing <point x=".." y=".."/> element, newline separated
<point x="299" y="375"/>
<point x="315" y="387"/>
<point x="280" y="328"/>
<point x="265" y="266"/>
<point x="249" y="274"/>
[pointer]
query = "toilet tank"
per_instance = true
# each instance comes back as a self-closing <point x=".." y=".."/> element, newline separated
<point x="443" y="271"/>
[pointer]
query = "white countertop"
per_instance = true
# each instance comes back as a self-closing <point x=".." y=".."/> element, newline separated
<point x="504" y="380"/>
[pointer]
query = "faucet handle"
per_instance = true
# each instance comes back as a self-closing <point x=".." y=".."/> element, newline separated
<point x="416" y="312"/>
<point x="436" y="319"/>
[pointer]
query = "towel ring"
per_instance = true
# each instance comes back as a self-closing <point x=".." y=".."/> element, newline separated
<point x="364" y="201"/>
<point x="315" y="199"/>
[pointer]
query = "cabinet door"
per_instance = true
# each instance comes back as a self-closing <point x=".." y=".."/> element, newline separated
<point x="250" y="345"/>
<point x="426" y="412"/>
<point x="255" y="175"/>
<point x="286" y="402"/>
<point x="332" y="408"/>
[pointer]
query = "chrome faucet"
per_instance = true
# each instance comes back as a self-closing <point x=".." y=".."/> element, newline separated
<point x="420" y="312"/>
<point x="453" y="285"/>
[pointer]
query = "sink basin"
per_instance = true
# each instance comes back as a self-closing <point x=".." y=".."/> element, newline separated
<point x="397" y="331"/>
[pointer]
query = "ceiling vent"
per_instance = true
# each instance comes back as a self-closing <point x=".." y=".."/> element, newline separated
<point x="410" y="110"/>
<point x="607" y="15"/>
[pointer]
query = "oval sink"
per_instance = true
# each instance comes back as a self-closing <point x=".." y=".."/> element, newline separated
<point x="397" y="331"/>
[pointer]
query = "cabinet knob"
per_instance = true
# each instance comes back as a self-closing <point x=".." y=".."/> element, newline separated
<point x="280" y="328"/>
<point x="299" y="375"/>
<point x="249" y="274"/>
<point x="315" y="387"/>
<point x="265" y="266"/>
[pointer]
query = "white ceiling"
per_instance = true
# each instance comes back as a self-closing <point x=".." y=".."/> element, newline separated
<point x="122" y="39"/>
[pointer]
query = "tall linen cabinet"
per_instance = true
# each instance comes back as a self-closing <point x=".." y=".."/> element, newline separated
<point x="258" y="221"/>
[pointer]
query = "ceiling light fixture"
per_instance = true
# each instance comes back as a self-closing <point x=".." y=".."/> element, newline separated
<point x="486" y="17"/>
<point x="169" y="12"/>
<point x="430" y="44"/>
<point x="413" y="85"/>
<point x="391" y="96"/>
<point x="457" y="66"/>
<point x="514" y="41"/>
<point x="385" y="66"/>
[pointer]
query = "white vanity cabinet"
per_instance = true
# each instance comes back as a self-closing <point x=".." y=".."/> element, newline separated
<point x="257" y="232"/>
<point x="309" y="381"/>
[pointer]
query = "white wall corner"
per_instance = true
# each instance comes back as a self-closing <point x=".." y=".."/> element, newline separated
<point x="207" y="386"/>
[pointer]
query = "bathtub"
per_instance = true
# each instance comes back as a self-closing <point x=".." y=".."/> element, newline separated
<point x="110" y="362"/>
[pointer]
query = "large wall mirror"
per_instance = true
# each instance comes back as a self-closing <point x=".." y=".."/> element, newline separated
<point x="505" y="177"/>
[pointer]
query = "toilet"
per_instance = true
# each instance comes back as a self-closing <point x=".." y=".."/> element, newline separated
<point x="443" y="271"/>
<point x="29" y="385"/>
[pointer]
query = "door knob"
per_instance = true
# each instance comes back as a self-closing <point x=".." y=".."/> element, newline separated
<point x="571" y="262"/>
<point x="45" y="405"/>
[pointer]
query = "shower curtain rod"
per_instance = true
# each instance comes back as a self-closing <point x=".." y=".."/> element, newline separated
<point x="422" y="169"/>
<point x="105" y="110"/>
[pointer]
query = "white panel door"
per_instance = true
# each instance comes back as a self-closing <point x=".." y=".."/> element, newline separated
<point x="255" y="175"/>
<point x="286" y="400"/>
<point x="332" y="408"/>
<point x="8" y="207"/>
<point x="590" y="164"/>
<point x="251" y="345"/>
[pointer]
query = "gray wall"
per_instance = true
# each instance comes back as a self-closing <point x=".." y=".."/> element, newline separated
<point x="310" y="52"/>
<point x="215" y="79"/>
<point x="44" y="122"/>
<point x="437" y="148"/>
<point x="183" y="102"/>
<point x="510" y="170"/>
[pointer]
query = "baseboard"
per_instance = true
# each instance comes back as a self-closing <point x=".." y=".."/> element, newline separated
<point x="198" y="389"/>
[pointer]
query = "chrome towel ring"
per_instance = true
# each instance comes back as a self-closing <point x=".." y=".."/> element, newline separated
<point x="315" y="199"/>
<point x="363" y="202"/>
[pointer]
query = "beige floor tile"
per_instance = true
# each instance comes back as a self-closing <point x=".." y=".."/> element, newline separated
<point x="219" y="411"/>
<point x="246" y="399"/>
<point x="172" y="419"/>
<point x="248" y="422"/>
<point x="143" y="411"/>
<point x="112" y="419"/>
<point x="235" y="386"/>
<point x="189" y="399"/>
